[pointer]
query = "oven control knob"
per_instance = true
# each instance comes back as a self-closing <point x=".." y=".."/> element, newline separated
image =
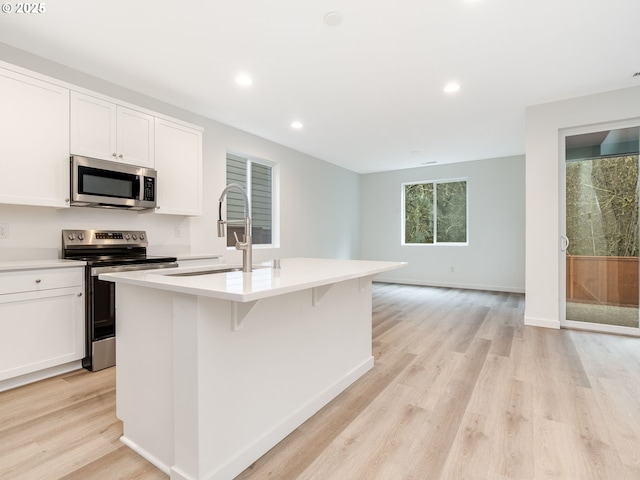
<point x="81" y="236"/>
<point x="127" y="237"/>
<point x="71" y="236"/>
<point x="142" y="236"/>
<point x="135" y="237"/>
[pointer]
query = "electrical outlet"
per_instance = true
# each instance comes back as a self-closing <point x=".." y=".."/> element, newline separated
<point x="452" y="269"/>
<point x="4" y="230"/>
<point x="177" y="232"/>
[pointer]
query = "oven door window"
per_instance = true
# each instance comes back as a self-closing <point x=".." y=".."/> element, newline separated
<point x="103" y="309"/>
<point x="106" y="183"/>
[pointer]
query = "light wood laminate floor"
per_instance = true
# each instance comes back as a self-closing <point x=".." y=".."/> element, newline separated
<point x="460" y="390"/>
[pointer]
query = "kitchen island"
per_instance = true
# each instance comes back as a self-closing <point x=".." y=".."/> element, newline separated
<point x="214" y="369"/>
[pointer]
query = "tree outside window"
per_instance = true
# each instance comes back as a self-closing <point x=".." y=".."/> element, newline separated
<point x="435" y="212"/>
<point x="602" y="206"/>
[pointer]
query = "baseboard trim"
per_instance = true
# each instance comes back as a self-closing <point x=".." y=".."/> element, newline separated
<point x="541" y="322"/>
<point x="146" y="455"/>
<point x="27" y="378"/>
<point x="463" y="286"/>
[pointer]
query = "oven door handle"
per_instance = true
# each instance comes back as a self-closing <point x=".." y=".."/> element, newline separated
<point x="95" y="271"/>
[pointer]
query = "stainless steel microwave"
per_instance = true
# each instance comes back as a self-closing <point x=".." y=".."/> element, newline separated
<point x="102" y="183"/>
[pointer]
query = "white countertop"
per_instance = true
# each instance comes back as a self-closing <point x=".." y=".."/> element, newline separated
<point x="12" y="265"/>
<point x="295" y="274"/>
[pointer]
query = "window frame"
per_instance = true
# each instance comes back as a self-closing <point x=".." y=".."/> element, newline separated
<point x="435" y="243"/>
<point x="275" y="194"/>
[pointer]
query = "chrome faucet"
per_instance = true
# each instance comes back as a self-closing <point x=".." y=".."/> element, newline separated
<point x="245" y="245"/>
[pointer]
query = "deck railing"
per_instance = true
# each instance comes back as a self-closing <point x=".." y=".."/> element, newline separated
<point x="602" y="280"/>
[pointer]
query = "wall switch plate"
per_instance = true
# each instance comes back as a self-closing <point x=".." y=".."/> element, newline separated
<point x="4" y="230"/>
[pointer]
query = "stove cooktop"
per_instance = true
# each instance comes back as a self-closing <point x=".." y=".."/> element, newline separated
<point x="107" y="260"/>
<point x="87" y="239"/>
<point x="109" y="247"/>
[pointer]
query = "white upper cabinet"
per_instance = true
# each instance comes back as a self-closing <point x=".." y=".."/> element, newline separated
<point x="43" y="121"/>
<point x="34" y="121"/>
<point x="93" y="127"/>
<point x="179" y="164"/>
<point x="135" y="134"/>
<point x="101" y="129"/>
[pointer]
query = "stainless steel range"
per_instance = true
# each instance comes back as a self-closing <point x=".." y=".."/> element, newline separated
<point x="106" y="251"/>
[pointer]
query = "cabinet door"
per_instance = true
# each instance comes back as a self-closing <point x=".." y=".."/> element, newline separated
<point x="179" y="165"/>
<point x="93" y="127"/>
<point x="34" y="149"/>
<point x="40" y="330"/>
<point x="135" y="143"/>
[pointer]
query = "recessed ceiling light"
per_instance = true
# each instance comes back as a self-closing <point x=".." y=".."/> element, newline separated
<point x="297" y="125"/>
<point x="451" y="87"/>
<point x="430" y="162"/>
<point x="243" y="79"/>
<point x="333" y="19"/>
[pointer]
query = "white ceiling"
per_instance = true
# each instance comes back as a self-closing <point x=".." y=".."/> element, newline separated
<point x="369" y="91"/>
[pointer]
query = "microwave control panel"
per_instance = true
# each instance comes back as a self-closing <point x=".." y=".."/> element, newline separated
<point x="149" y="193"/>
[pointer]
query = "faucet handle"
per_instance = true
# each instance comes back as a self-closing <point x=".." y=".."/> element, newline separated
<point x="243" y="242"/>
<point x="240" y="245"/>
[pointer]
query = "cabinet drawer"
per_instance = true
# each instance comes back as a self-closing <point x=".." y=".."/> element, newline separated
<point x="34" y="280"/>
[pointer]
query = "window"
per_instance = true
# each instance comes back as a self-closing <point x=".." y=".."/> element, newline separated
<point x="257" y="178"/>
<point x="435" y="212"/>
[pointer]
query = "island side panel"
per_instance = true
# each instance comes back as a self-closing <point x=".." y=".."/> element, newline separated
<point x="257" y="384"/>
<point x="202" y="401"/>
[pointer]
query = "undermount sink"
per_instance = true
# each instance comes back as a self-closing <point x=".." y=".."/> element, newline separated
<point x="208" y="272"/>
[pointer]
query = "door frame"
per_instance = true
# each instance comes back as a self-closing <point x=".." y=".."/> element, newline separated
<point x="562" y="261"/>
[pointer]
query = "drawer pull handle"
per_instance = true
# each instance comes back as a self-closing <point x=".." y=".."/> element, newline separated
<point x="38" y="280"/>
<point x="80" y="294"/>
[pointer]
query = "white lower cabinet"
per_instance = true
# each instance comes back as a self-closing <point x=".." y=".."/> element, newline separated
<point x="41" y="320"/>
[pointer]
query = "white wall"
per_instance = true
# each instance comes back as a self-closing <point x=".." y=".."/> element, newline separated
<point x="494" y="258"/>
<point x="543" y="256"/>
<point x="319" y="201"/>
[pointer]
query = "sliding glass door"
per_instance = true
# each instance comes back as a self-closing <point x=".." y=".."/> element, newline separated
<point x="601" y="230"/>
